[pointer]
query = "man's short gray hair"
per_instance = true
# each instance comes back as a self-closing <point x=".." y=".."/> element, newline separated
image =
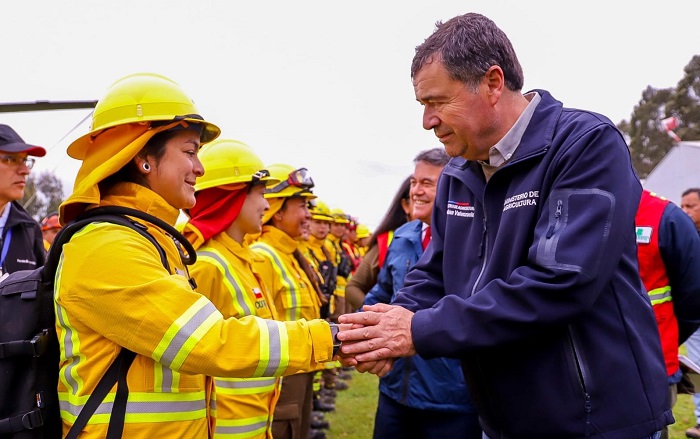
<point x="434" y="156"/>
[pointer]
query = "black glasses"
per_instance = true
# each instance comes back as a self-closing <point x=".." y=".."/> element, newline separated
<point x="299" y="178"/>
<point x="16" y="161"/>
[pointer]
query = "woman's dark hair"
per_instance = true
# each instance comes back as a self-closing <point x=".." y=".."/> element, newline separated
<point x="155" y="148"/>
<point x="395" y="215"/>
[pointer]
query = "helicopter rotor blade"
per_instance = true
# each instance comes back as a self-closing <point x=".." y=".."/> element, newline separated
<point x="13" y="107"/>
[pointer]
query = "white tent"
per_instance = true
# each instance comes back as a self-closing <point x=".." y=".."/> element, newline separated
<point x="676" y="172"/>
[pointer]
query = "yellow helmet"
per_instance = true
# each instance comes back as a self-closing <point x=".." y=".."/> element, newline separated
<point x="228" y="161"/>
<point x="293" y="182"/>
<point x="142" y="98"/>
<point x="320" y="211"/>
<point x="363" y="231"/>
<point x="339" y="217"/>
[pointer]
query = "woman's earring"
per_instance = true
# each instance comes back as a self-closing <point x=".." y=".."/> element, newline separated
<point x="146" y="167"/>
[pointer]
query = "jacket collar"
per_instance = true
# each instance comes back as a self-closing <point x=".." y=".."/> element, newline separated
<point x="409" y="230"/>
<point x="241" y="251"/>
<point x="315" y="243"/>
<point x="140" y="197"/>
<point x="17" y="215"/>
<point x="279" y="240"/>
<point x="537" y="138"/>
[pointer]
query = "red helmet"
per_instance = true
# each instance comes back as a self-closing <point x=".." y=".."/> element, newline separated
<point x="50" y="222"/>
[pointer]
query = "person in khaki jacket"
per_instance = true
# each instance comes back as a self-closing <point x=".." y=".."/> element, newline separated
<point x="230" y="204"/>
<point x="112" y="291"/>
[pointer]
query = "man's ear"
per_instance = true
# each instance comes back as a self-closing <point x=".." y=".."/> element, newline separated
<point x="495" y="81"/>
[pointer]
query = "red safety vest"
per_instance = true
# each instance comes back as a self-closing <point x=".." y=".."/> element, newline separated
<point x="654" y="276"/>
<point x="354" y="253"/>
<point x="383" y="241"/>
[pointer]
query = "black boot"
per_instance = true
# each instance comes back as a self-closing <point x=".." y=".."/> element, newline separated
<point x="317" y="434"/>
<point x="319" y="422"/>
<point x="321" y="406"/>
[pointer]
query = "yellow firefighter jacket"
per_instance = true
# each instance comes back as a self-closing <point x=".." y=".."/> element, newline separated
<point x="112" y="291"/>
<point x="293" y="295"/>
<point x="242" y="407"/>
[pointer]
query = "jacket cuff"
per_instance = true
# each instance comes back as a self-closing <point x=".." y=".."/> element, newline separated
<point x="322" y="340"/>
<point x="420" y="333"/>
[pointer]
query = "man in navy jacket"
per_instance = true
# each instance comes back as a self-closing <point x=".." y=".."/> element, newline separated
<point x="531" y="277"/>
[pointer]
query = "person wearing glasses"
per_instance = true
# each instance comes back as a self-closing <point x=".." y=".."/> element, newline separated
<point x="293" y="285"/>
<point x="21" y="241"/>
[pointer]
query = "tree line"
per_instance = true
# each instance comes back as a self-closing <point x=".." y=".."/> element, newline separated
<point x="647" y="139"/>
<point x="43" y="194"/>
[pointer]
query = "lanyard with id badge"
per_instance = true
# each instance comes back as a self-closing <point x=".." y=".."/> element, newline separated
<point x="5" y="249"/>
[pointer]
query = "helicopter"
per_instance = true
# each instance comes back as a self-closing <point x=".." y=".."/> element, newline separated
<point x="14" y="107"/>
<point x="46" y="105"/>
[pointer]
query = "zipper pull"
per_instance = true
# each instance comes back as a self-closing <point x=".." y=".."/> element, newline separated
<point x="557" y="215"/>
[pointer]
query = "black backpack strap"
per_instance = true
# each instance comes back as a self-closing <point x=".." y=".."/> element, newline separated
<point x="117" y="371"/>
<point x="25" y="421"/>
<point x="191" y="254"/>
<point x="116" y="429"/>
<point x="25" y="348"/>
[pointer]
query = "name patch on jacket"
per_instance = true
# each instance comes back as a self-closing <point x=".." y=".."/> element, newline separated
<point x="528" y="198"/>
<point x="459" y="208"/>
<point x="260" y="302"/>
<point x="644" y="235"/>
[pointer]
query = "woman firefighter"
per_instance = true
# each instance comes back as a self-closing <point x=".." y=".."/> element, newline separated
<point x="112" y="290"/>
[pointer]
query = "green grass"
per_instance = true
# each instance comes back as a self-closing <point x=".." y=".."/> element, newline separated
<point x="355" y="408"/>
<point x="683" y="411"/>
<point x="685" y="418"/>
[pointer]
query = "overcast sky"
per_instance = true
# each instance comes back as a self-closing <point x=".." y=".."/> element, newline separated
<point x="323" y="84"/>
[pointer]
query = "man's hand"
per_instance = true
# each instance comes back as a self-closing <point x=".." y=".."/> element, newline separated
<point x="381" y="332"/>
<point x="379" y="368"/>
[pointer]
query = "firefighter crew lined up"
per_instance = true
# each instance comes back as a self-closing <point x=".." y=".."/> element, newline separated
<point x="112" y="291"/>
<point x="319" y="252"/>
<point x="292" y="283"/>
<point x="230" y="204"/>
<point x="343" y="262"/>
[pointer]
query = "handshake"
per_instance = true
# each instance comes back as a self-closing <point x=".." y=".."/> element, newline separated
<point x="371" y="339"/>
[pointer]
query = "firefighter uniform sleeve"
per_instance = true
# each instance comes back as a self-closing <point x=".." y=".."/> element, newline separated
<point x="111" y="279"/>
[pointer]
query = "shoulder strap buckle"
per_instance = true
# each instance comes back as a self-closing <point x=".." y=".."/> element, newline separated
<point x="39" y="342"/>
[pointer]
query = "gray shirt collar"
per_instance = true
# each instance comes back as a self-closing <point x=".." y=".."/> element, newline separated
<point x="504" y="149"/>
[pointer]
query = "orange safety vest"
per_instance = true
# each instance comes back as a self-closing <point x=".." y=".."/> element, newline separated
<point x="654" y="276"/>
